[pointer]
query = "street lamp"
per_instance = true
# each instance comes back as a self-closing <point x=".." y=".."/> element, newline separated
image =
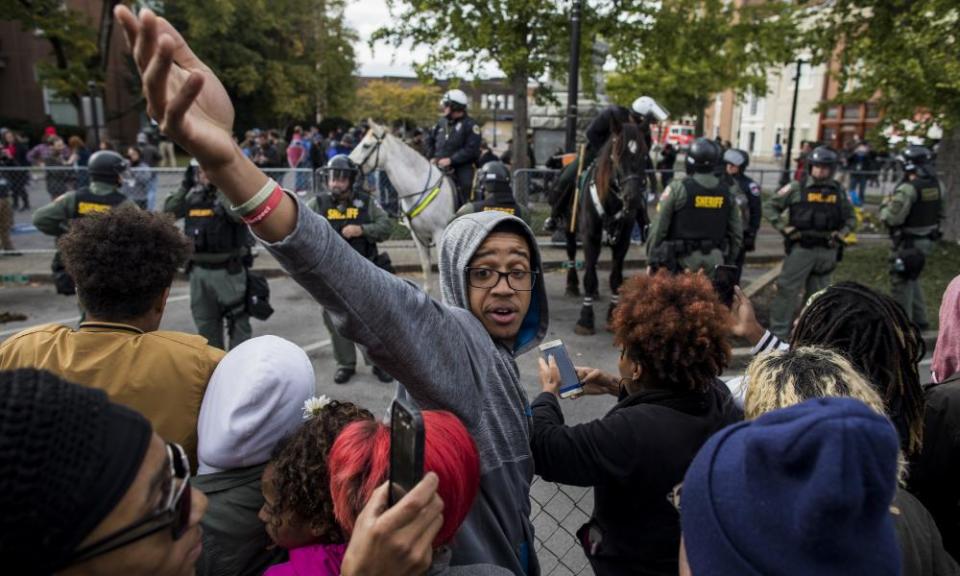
<point x="496" y="103"/>
<point x="92" y="89"/>
<point x="785" y="177"/>
<point x="570" y="142"/>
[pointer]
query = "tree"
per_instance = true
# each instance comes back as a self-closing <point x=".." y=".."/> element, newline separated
<point x="79" y="50"/>
<point x="907" y="56"/>
<point x="682" y="52"/>
<point x="393" y="103"/>
<point x="526" y="39"/>
<point x="281" y="61"/>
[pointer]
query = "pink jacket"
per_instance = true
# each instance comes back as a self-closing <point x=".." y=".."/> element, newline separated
<point x="319" y="560"/>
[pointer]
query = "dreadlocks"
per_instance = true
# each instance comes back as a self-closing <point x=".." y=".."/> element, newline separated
<point x="873" y="332"/>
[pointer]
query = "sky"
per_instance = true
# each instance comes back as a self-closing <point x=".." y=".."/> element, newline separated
<point x="365" y="16"/>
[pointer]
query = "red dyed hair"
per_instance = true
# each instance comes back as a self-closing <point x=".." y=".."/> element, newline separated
<point x="360" y="461"/>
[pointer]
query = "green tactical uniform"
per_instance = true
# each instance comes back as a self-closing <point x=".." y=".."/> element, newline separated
<point x="365" y="212"/>
<point x="812" y="217"/>
<point x="218" y="266"/>
<point x="54" y="220"/>
<point x="913" y="216"/>
<point x="697" y="226"/>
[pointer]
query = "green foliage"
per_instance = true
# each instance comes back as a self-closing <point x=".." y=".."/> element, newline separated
<point x="906" y="53"/>
<point x="682" y="52"/>
<point x="392" y="103"/>
<point x="281" y="61"/>
<point x="74" y="61"/>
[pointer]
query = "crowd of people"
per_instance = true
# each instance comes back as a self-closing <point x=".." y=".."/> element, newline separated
<point x="126" y="449"/>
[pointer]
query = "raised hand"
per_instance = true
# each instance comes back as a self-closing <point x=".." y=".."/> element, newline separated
<point x="183" y="95"/>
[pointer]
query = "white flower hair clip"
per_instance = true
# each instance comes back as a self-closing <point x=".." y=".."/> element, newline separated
<point x="313" y="406"/>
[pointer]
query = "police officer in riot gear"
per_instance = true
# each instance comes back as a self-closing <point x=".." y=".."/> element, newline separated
<point x="643" y="112"/>
<point x="106" y="169"/>
<point x="493" y="180"/>
<point x="813" y="216"/>
<point x="454" y="143"/>
<point x="913" y="214"/>
<point x="359" y="220"/>
<point x="220" y="260"/>
<point x="735" y="163"/>
<point x="698" y="223"/>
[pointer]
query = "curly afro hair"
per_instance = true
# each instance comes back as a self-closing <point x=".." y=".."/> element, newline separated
<point x="675" y="327"/>
<point x="122" y="260"/>
<point x="300" y="476"/>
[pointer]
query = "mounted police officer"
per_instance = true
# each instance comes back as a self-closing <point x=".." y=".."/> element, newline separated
<point x="698" y="222"/>
<point x="913" y="215"/>
<point x="813" y="216"/>
<point x="454" y="143"/>
<point x="360" y="220"/>
<point x="749" y="202"/>
<point x="106" y="169"/>
<point x="643" y="112"/>
<point x="220" y="260"/>
<point x="493" y="180"/>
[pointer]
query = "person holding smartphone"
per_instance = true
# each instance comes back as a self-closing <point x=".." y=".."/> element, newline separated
<point x="456" y="354"/>
<point x="672" y="334"/>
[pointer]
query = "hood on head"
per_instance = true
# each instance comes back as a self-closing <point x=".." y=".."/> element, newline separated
<point x="255" y="398"/>
<point x="460" y="242"/>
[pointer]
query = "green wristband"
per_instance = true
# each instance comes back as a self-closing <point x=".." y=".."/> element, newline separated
<point x="259" y="198"/>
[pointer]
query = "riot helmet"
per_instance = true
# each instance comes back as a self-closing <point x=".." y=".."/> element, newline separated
<point x="338" y="170"/>
<point x="648" y="108"/>
<point x="455" y="99"/>
<point x="703" y="156"/>
<point x="914" y="158"/>
<point x="738" y="158"/>
<point x="823" y="156"/>
<point x="107" y="166"/>
<point x="494" y="179"/>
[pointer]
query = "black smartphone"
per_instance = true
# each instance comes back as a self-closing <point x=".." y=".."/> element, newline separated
<point x="406" y="448"/>
<point x="724" y="282"/>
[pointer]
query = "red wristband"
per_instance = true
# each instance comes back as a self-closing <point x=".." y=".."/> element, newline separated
<point x="266" y="208"/>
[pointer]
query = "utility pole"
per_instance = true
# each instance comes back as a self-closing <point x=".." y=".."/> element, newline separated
<point x="92" y="88"/>
<point x="496" y="104"/>
<point x="785" y="177"/>
<point x="570" y="143"/>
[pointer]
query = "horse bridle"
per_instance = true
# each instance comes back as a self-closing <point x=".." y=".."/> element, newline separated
<point x="376" y="161"/>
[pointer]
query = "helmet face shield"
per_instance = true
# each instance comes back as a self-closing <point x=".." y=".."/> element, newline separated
<point x="649" y="108"/>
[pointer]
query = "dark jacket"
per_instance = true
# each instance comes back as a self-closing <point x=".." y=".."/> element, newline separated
<point x="235" y="542"/>
<point x="598" y="132"/>
<point x="935" y="473"/>
<point x="633" y="457"/>
<point x="921" y="548"/>
<point x="459" y="140"/>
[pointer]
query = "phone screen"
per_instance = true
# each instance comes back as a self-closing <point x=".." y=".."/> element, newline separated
<point x="570" y="385"/>
<point x="724" y="282"/>
<point x="406" y="448"/>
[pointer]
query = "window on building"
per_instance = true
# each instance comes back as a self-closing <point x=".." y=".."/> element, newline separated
<point x="752" y="142"/>
<point x="61" y="110"/>
<point x="510" y="103"/>
<point x="833" y="112"/>
<point x="754" y="106"/>
<point x="851" y="112"/>
<point x="873" y="110"/>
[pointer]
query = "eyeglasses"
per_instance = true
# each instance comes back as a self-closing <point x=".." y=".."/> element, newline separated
<point x="519" y="280"/>
<point x="174" y="513"/>
<point x="673" y="497"/>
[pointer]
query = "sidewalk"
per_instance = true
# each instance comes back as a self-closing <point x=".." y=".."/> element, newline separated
<point x="34" y="266"/>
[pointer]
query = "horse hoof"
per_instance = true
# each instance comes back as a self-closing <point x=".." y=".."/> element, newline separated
<point x="582" y="330"/>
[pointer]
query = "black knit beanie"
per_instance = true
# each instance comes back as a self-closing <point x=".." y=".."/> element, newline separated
<point x="67" y="457"/>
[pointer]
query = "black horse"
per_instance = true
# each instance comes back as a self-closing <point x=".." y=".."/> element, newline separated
<point x="612" y="199"/>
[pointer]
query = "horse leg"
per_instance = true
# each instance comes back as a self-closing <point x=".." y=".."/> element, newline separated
<point x="424" y="252"/>
<point x="591" y="253"/>
<point x="616" y="270"/>
<point x="573" y="281"/>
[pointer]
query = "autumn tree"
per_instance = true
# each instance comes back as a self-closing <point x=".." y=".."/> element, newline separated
<point x="683" y="52"/>
<point x="393" y="103"/>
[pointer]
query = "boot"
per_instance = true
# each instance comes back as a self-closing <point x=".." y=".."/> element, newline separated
<point x="573" y="283"/>
<point x="585" y="325"/>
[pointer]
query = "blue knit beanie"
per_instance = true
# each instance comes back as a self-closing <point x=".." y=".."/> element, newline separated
<point x="803" y="490"/>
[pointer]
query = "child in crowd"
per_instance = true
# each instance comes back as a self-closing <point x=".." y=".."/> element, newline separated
<point x="298" y="509"/>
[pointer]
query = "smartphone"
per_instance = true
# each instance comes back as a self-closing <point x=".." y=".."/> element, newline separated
<point x="406" y="448"/>
<point x="570" y="385"/>
<point x="724" y="282"/>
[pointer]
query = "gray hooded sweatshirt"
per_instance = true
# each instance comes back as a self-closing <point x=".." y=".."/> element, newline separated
<point x="444" y="357"/>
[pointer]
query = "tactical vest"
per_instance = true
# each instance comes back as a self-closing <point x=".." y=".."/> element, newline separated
<point x="743" y="198"/>
<point x="926" y="210"/>
<point x="493" y="204"/>
<point x="86" y="202"/>
<point x="704" y="216"/>
<point x="357" y="211"/>
<point x="818" y="209"/>
<point x="209" y="226"/>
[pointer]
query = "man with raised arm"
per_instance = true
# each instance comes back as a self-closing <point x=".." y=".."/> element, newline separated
<point x="456" y="355"/>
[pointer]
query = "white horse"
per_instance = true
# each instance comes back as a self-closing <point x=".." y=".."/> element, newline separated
<point x="426" y="194"/>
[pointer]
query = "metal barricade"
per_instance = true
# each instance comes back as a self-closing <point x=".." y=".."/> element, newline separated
<point x="533" y="184"/>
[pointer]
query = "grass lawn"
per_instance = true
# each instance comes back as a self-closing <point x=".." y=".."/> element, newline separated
<point x="871" y="265"/>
